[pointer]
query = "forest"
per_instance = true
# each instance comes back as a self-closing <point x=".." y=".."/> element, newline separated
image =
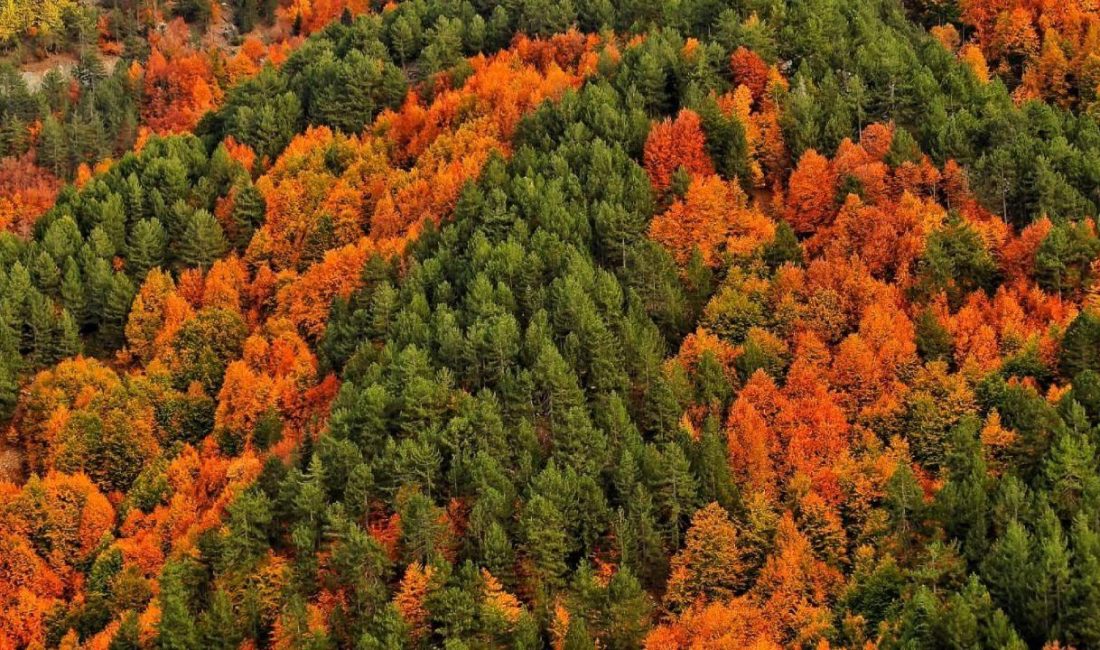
<point x="568" y="324"/>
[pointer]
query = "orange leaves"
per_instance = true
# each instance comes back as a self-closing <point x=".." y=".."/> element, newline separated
<point x="270" y="378"/>
<point x="502" y="89"/>
<point x="985" y="330"/>
<point x="715" y="217"/>
<point x="1047" y="77"/>
<point x="306" y="300"/>
<point x="499" y="601"/>
<point x="566" y="51"/>
<point x="309" y="16"/>
<point x="317" y="217"/>
<point x="701" y="342"/>
<point x="788" y="605"/>
<point x="409" y="599"/>
<point x="737" y="624"/>
<point x="673" y="144"/>
<point x="181" y="83"/>
<point x="1050" y="47"/>
<point x="888" y="240"/>
<point x="309" y="208"/>
<point x="156" y="315"/>
<point x="66" y="508"/>
<point x="242" y="153"/>
<point x="26" y="192"/>
<point x="47" y="529"/>
<point x="774" y="433"/>
<point x="253" y="53"/>
<point x="752" y="445"/>
<point x="796" y="588"/>
<point x="180" y="91"/>
<point x="868" y="366"/>
<point x="750" y="70"/>
<point x="710" y="567"/>
<point x="810" y="194"/>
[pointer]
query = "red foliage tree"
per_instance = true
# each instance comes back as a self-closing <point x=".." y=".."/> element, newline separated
<point x="750" y="70"/>
<point x="673" y="144"/>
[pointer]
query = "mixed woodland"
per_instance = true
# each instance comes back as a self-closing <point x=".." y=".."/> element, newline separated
<point x="565" y="324"/>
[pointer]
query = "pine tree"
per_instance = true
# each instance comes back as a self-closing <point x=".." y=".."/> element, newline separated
<point x="146" y="248"/>
<point x="67" y="337"/>
<point x="116" y="306"/>
<point x="53" y="149"/>
<point x="128" y="636"/>
<point x="9" y="388"/>
<point x="202" y="241"/>
<point x="39" y="327"/>
<point x="543" y="531"/>
<point x="1081" y="345"/>
<point x="176" y="629"/>
<point x="112" y="218"/>
<point x="218" y="627"/>
<point x="248" y="214"/>
<point x="47" y="277"/>
<point x="1009" y="571"/>
<point x="72" y="291"/>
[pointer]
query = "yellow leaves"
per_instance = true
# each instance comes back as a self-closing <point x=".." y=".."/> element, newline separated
<point x="31" y="17"/>
<point x="245" y="396"/>
<point x="947" y="35"/>
<point x="50" y="526"/>
<point x="972" y="56"/>
<point x="500" y="601"/>
<point x="996" y="439"/>
<point x="301" y="189"/>
<point x="795" y="587"/>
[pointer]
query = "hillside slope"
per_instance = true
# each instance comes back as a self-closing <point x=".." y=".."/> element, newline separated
<point x="575" y="325"/>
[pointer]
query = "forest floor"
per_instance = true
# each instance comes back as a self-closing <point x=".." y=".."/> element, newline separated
<point x="35" y="71"/>
<point x="11" y="462"/>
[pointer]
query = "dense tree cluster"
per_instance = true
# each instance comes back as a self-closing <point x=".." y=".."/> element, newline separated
<point x="554" y="324"/>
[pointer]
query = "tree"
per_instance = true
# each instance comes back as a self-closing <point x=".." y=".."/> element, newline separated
<point x="810" y="194"/>
<point x="1080" y="345"/>
<point x="53" y="152"/>
<point x="410" y="596"/>
<point x="710" y="567"/>
<point x="750" y="70"/>
<point x="248" y="214"/>
<point x="146" y="248"/>
<point x="543" y="532"/>
<point x="673" y="144"/>
<point x="176" y="630"/>
<point x="202" y="241"/>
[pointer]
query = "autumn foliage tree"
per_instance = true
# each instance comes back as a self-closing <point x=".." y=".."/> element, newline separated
<point x="674" y="144"/>
<point x="179" y="85"/>
<point x="811" y="193"/>
<point x="714" y="217"/>
<point x="710" y="567"/>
